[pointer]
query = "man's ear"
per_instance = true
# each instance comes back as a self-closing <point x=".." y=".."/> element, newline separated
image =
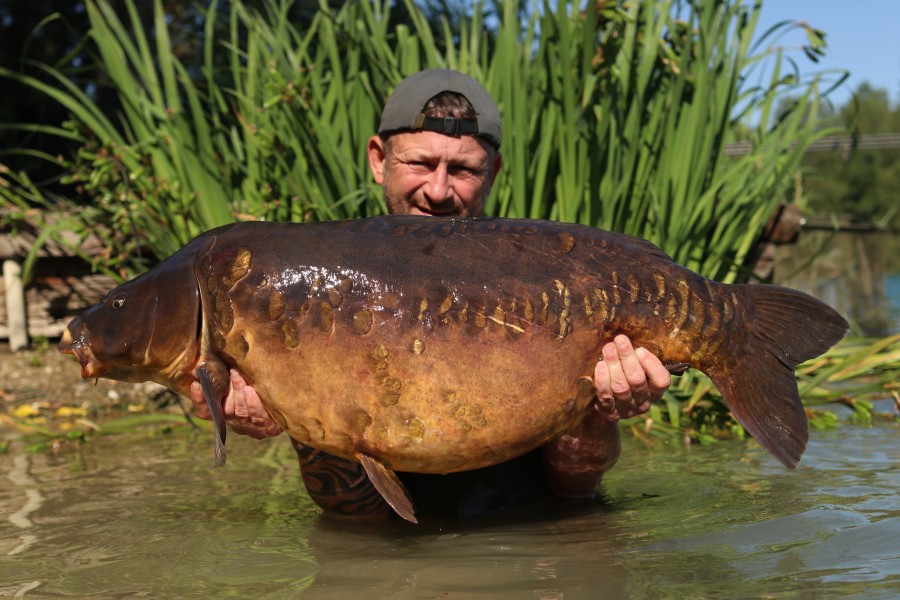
<point x="375" y="150"/>
<point x="495" y="167"/>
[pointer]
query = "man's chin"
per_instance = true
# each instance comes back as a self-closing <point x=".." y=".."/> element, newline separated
<point x="426" y="212"/>
<point x="429" y="213"/>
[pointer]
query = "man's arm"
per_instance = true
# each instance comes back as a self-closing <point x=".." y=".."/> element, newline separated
<point x="627" y="381"/>
<point x="339" y="486"/>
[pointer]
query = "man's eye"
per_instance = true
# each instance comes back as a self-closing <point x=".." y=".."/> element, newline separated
<point x="462" y="170"/>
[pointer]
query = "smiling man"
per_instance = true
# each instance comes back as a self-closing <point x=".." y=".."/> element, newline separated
<point x="437" y="152"/>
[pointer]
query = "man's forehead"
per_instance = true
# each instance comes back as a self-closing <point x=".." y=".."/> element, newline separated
<point x="426" y="144"/>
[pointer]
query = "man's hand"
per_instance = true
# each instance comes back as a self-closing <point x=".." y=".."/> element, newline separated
<point x="628" y="380"/>
<point x="244" y="411"/>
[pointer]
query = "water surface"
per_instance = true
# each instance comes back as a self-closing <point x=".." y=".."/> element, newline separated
<point x="146" y="516"/>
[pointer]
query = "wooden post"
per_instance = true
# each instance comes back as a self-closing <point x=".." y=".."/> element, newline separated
<point x="15" y="305"/>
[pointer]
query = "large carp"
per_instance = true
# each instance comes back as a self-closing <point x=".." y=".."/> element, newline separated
<point x="437" y="345"/>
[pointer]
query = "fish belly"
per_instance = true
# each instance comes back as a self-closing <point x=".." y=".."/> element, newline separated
<point x="449" y="401"/>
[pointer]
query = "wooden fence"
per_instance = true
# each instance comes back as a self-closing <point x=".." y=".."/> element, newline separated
<point x="61" y="286"/>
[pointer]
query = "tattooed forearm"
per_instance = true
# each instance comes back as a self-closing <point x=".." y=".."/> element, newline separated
<point x="339" y="486"/>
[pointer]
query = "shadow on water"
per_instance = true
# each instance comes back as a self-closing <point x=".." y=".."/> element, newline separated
<point x="145" y="516"/>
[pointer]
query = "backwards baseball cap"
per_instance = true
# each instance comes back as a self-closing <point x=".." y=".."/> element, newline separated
<point x="404" y="110"/>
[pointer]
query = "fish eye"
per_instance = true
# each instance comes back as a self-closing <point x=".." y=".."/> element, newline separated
<point x="118" y="303"/>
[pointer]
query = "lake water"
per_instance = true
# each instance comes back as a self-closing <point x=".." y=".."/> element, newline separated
<point x="892" y="292"/>
<point x="145" y="516"/>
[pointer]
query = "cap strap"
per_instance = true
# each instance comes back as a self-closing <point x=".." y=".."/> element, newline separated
<point x="447" y="125"/>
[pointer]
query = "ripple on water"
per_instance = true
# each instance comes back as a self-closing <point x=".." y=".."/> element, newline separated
<point x="723" y="521"/>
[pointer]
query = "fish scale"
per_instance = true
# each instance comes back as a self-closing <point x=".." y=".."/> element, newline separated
<point x="437" y="345"/>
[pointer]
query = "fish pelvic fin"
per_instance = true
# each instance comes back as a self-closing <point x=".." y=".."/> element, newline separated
<point x="785" y="327"/>
<point x="207" y="378"/>
<point x="389" y="486"/>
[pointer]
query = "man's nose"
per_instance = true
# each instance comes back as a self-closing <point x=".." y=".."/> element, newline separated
<point x="439" y="187"/>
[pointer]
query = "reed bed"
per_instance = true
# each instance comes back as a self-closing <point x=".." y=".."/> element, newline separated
<point x="615" y="115"/>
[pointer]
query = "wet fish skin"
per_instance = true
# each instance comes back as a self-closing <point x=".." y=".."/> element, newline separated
<point x="438" y="345"/>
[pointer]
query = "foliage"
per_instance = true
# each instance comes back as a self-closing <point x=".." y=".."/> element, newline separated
<point x="857" y="182"/>
<point x="634" y="140"/>
<point x="860" y="184"/>
<point x="846" y="381"/>
<point x="849" y="194"/>
<point x="854" y="373"/>
<point x="615" y="116"/>
<point x="52" y="32"/>
<point x="69" y="425"/>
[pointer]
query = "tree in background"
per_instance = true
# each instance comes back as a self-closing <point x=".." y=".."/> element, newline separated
<point x="856" y="186"/>
<point x="858" y="183"/>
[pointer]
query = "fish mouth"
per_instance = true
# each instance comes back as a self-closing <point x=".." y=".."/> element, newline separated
<point x="78" y="349"/>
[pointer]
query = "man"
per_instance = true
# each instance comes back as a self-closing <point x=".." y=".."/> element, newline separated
<point x="437" y="153"/>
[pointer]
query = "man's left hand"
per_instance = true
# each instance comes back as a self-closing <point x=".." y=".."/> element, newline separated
<point x="244" y="411"/>
<point x="628" y="380"/>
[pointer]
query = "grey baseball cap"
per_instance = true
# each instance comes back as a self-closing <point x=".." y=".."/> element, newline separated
<point x="403" y="110"/>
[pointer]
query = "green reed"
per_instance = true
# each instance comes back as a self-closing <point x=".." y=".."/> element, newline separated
<point x="615" y="116"/>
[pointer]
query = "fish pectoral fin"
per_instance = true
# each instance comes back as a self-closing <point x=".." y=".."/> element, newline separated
<point x="677" y="368"/>
<point x="389" y="486"/>
<point x="216" y="408"/>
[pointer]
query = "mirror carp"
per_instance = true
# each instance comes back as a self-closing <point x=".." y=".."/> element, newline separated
<point x="437" y="345"/>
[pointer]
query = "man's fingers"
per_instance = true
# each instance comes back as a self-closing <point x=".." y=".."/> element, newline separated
<point x="244" y="410"/>
<point x="627" y="381"/>
<point x="199" y="402"/>
<point x="634" y="384"/>
<point x="618" y="383"/>
<point x="248" y="416"/>
<point x="603" y="381"/>
<point x="658" y="377"/>
<point x="237" y="397"/>
<point x="257" y="430"/>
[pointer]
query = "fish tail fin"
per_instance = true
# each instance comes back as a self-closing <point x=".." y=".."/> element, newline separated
<point x="784" y="328"/>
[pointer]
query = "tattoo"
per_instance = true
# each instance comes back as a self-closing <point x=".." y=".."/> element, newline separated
<point x="337" y="485"/>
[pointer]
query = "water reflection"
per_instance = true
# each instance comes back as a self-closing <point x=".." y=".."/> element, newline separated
<point x="133" y="516"/>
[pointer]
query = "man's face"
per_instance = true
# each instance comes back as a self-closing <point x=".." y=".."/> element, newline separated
<point x="428" y="173"/>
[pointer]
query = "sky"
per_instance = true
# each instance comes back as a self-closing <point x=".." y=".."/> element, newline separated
<point x="861" y="37"/>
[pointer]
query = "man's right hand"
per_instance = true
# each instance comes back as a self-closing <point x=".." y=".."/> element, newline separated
<point x="244" y="411"/>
